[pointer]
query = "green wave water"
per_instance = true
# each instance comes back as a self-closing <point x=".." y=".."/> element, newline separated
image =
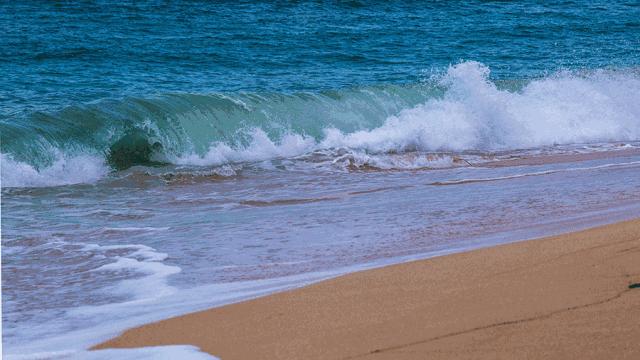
<point x="135" y="131"/>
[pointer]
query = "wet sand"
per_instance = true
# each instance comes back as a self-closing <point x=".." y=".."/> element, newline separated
<point x="563" y="297"/>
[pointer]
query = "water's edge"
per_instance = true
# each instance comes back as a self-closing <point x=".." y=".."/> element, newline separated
<point x="577" y="224"/>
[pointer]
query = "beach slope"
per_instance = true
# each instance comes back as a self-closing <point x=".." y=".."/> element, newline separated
<point x="562" y="297"/>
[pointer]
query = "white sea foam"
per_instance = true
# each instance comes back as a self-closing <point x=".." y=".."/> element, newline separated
<point x="63" y="171"/>
<point x="169" y="352"/>
<point x="144" y="260"/>
<point x="475" y="114"/>
<point x="260" y="148"/>
<point x="183" y="352"/>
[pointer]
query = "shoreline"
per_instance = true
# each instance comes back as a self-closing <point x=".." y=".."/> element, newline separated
<point x="485" y="303"/>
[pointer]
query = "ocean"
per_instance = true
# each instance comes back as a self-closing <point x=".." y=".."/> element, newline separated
<point x="164" y="157"/>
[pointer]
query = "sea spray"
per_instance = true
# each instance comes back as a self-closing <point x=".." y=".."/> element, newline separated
<point x="474" y="114"/>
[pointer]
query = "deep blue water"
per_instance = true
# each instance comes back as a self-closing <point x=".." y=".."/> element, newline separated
<point x="58" y="53"/>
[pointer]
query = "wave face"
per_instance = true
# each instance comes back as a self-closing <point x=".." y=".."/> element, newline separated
<point x="459" y="110"/>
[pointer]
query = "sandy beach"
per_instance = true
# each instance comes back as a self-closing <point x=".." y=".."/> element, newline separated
<point x="562" y="297"/>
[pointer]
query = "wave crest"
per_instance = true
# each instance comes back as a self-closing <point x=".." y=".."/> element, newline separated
<point x="474" y="114"/>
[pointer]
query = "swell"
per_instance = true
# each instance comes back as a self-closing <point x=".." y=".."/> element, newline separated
<point x="461" y="109"/>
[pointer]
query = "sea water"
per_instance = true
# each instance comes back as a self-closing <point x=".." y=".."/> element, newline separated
<point x="162" y="158"/>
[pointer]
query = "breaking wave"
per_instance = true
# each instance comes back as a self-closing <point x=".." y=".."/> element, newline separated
<point x="459" y="110"/>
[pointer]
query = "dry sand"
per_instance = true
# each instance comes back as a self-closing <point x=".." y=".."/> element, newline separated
<point x="563" y="297"/>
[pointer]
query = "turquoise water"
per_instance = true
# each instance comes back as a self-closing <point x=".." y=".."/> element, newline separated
<point x="159" y="158"/>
